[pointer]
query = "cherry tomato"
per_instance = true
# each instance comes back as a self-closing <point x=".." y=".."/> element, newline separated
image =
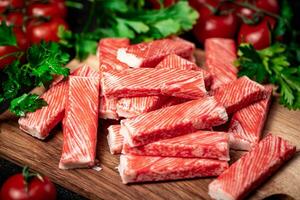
<point x="268" y="5"/>
<point x="17" y="3"/>
<point x="51" y="9"/>
<point x="216" y="26"/>
<point x="15" y="18"/>
<point x="15" y="189"/>
<point x="200" y="6"/>
<point x="4" y="50"/>
<point x="258" y="35"/>
<point x="22" y="40"/>
<point x="211" y="25"/>
<point x="168" y="3"/>
<point x="4" y="4"/>
<point x="22" y="43"/>
<point x="38" y="31"/>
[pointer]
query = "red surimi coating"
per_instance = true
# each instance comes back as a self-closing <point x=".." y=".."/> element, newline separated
<point x="147" y="168"/>
<point x="246" y="125"/>
<point x="173" y="61"/>
<point x="193" y="88"/>
<point x="173" y="121"/>
<point x="145" y="82"/>
<point x="200" y="144"/>
<point x="80" y="123"/>
<point x="108" y="108"/>
<point x="133" y="106"/>
<point x="220" y="54"/>
<point x="107" y="53"/>
<point x="149" y="54"/>
<point x="252" y="169"/>
<point x="42" y="121"/>
<point x="115" y="139"/>
<point x="239" y="94"/>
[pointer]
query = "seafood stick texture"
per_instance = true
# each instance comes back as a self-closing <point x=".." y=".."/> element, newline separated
<point x="252" y="169"/>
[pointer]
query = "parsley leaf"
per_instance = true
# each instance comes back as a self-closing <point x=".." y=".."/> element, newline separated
<point x="284" y="22"/>
<point x="43" y="61"/>
<point x="272" y="65"/>
<point x="7" y="37"/>
<point x="129" y="19"/>
<point x="26" y="103"/>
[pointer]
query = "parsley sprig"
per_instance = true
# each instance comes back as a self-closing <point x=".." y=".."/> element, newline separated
<point x="131" y="19"/>
<point x="43" y="61"/>
<point x="278" y="64"/>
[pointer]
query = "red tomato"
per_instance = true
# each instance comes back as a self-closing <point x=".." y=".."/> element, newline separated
<point x="51" y="9"/>
<point x="210" y="25"/>
<point x="4" y="4"/>
<point x="15" y="189"/>
<point x="268" y="5"/>
<point x="168" y="3"/>
<point x="15" y="18"/>
<point x="17" y="3"/>
<point x="38" y="31"/>
<point x="23" y="44"/>
<point x="258" y="35"/>
<point x="216" y="26"/>
<point x="199" y="5"/>
<point x="22" y="40"/>
<point x="4" y="50"/>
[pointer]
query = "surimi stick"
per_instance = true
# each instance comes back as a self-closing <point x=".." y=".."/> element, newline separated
<point x="147" y="168"/>
<point x="42" y="121"/>
<point x="173" y="121"/>
<point x="108" y="108"/>
<point x="80" y="123"/>
<point x="133" y="106"/>
<point x="146" y="82"/>
<point x="220" y="54"/>
<point x="173" y="61"/>
<point x="200" y="144"/>
<point x="239" y="94"/>
<point x="115" y="139"/>
<point x="107" y="53"/>
<point x="252" y="169"/>
<point x="246" y="125"/>
<point x="149" y="54"/>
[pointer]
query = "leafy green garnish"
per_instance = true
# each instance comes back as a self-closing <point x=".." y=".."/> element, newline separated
<point x="284" y="22"/>
<point x="275" y="65"/>
<point x="26" y="103"/>
<point x="7" y="37"/>
<point x="129" y="19"/>
<point x="43" y="61"/>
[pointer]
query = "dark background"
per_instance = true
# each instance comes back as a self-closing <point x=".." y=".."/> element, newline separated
<point x="8" y="169"/>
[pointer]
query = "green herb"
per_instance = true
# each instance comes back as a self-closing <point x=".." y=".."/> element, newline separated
<point x="284" y="22"/>
<point x="275" y="64"/>
<point x="7" y="37"/>
<point x="129" y="19"/>
<point x="26" y="103"/>
<point x="43" y="61"/>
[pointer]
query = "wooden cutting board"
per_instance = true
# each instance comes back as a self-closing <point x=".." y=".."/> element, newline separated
<point x="43" y="156"/>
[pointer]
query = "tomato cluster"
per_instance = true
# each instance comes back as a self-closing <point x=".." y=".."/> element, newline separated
<point x="224" y="19"/>
<point x="33" y="21"/>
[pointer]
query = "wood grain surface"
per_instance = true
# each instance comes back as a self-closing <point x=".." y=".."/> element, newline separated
<point x="43" y="156"/>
